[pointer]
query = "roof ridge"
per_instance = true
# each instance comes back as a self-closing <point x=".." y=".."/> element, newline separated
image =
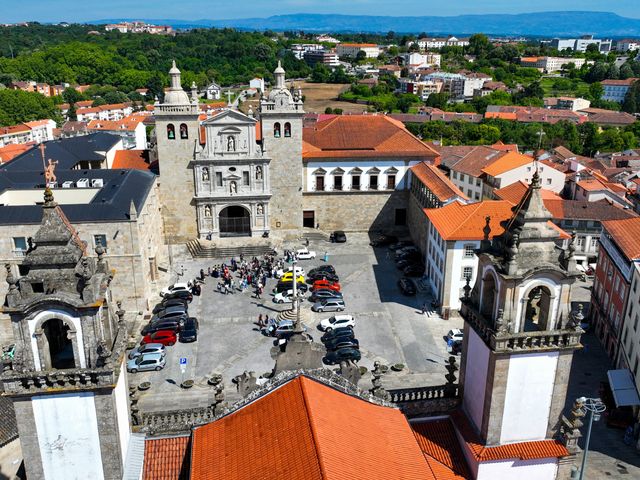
<point x="314" y="436"/>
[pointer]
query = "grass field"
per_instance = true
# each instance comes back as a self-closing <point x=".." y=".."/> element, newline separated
<point x="554" y="87"/>
<point x="319" y="96"/>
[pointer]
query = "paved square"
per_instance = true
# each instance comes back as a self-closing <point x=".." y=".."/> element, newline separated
<point x="389" y="326"/>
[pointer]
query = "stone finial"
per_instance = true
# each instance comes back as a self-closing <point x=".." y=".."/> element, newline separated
<point x="48" y="197"/>
<point x="350" y="371"/>
<point x="376" y="381"/>
<point x="576" y="317"/>
<point x="500" y="326"/>
<point x="246" y="382"/>
<point x="13" y="295"/>
<point x="452" y="368"/>
<point x="467" y="288"/>
<point x="487" y="227"/>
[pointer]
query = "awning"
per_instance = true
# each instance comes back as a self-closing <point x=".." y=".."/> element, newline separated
<point x="623" y="388"/>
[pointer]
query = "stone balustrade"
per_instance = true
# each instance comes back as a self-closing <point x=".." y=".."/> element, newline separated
<point x="423" y="393"/>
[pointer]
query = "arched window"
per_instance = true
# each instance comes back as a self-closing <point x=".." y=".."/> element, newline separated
<point x="205" y="174"/>
<point x="276" y="130"/>
<point x="60" y="347"/>
<point x="287" y="129"/>
<point x="184" y="131"/>
<point x="171" y="132"/>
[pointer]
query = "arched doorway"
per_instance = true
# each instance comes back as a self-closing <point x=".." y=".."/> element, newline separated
<point x="488" y="296"/>
<point x="235" y="221"/>
<point x="538" y="310"/>
<point x="59" y="345"/>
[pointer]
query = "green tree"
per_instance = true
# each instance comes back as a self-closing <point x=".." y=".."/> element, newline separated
<point x="479" y="44"/>
<point x="17" y="106"/>
<point x="631" y="103"/>
<point x="320" y="73"/>
<point x="596" y="91"/>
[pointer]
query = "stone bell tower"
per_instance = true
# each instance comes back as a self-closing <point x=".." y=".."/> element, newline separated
<point x="281" y="115"/>
<point x="68" y="384"/>
<point x="178" y="139"/>
<point x="519" y="333"/>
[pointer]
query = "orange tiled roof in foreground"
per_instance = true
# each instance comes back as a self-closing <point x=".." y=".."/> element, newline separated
<point x="439" y="443"/>
<point x="513" y="193"/>
<point x="305" y="430"/>
<point x="625" y="234"/>
<point x="9" y="152"/>
<point x="164" y="458"/>
<point x="507" y="162"/>
<point x="466" y="222"/>
<point x="436" y="181"/>
<point x="348" y="136"/>
<point x="132" y="159"/>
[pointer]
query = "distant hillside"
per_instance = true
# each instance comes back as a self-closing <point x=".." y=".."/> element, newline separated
<point x="546" y="24"/>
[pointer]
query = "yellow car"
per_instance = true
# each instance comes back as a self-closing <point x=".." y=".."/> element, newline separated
<point x="288" y="276"/>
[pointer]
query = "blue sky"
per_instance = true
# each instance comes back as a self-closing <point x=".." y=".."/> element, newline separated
<point x="79" y="10"/>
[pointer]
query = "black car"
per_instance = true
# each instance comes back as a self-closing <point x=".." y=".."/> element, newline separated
<point x="189" y="331"/>
<point x="400" y="244"/>
<point x="407" y="287"/>
<point x="170" y="324"/>
<point x="406" y="262"/>
<point x="312" y="277"/>
<point x="322" y="268"/>
<point x="382" y="240"/>
<point x="334" y="357"/>
<point x="324" y="294"/>
<point x="346" y="332"/>
<point x="288" y="285"/>
<point x="414" y="270"/>
<point x="182" y="294"/>
<point x="339" y="236"/>
<point x="172" y="302"/>
<point x="342" y="342"/>
<point x="410" y="253"/>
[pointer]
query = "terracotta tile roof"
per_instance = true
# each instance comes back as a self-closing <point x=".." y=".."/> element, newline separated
<point x="306" y="430"/>
<point x="361" y="45"/>
<point x="505" y="147"/>
<point x="37" y="123"/>
<point x="436" y="181"/>
<point x="9" y="152"/>
<point x="625" y="234"/>
<point x="513" y="193"/>
<point x="506" y="163"/>
<point x="466" y="222"/>
<point x="362" y="136"/>
<point x="127" y="123"/>
<point x="477" y="159"/>
<point x="452" y="154"/>
<point x="12" y="129"/>
<point x="561" y="167"/>
<point x="584" y="210"/>
<point x="439" y="443"/>
<point x="502" y="115"/>
<point x="131" y="159"/>
<point x="627" y="82"/>
<point x="521" y="450"/>
<point x="164" y="458"/>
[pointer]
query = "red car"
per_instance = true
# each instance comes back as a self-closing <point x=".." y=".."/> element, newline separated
<point x="327" y="284"/>
<point x="165" y="337"/>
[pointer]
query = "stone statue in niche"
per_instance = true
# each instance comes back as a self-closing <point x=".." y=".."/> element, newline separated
<point x="260" y="209"/>
<point x="205" y="174"/>
<point x="231" y="144"/>
<point x="258" y="173"/>
<point x="233" y="187"/>
<point x="207" y="211"/>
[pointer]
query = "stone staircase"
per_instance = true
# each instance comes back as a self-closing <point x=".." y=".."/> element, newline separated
<point x="205" y="249"/>
<point x="315" y="235"/>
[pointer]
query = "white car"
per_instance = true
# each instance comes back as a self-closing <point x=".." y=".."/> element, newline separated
<point x="281" y="272"/>
<point x="305" y="254"/>
<point x="455" y="334"/>
<point x="286" y="297"/>
<point x="337" y="321"/>
<point x="174" y="288"/>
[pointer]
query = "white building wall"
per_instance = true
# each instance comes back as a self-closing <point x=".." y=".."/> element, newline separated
<point x="471" y="186"/>
<point x="365" y="165"/>
<point x="542" y="469"/>
<point x="528" y="395"/>
<point x="122" y="410"/>
<point x="475" y="378"/>
<point x="550" y="178"/>
<point x="68" y="438"/>
<point x="436" y="261"/>
<point x="457" y="269"/>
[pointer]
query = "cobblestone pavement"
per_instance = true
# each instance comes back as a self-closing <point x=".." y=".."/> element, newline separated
<point x="389" y="326"/>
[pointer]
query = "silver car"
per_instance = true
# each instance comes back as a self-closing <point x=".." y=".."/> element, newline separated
<point x="329" y="305"/>
<point x="146" y="348"/>
<point x="145" y="362"/>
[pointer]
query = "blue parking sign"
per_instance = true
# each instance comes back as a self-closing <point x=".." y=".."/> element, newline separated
<point x="183" y="360"/>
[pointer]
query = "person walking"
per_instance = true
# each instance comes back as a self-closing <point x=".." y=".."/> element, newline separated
<point x="326" y="257"/>
<point x="424" y="308"/>
<point x="307" y="242"/>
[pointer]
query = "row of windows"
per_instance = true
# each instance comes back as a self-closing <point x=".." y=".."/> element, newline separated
<point x="277" y="130"/>
<point x="171" y="131"/>
<point x="355" y="182"/>
<point x="21" y="244"/>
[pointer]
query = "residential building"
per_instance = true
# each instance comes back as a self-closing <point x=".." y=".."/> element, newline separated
<point x="257" y="84"/>
<point x="616" y="90"/>
<point x="570" y="103"/>
<point x="629" y="356"/>
<point x="592" y="186"/>
<point x="605" y="117"/>
<point x="112" y="112"/>
<point x="466" y="172"/>
<point x="552" y="64"/>
<point x="37" y="131"/>
<point x="351" y="50"/>
<point x="581" y="44"/>
<point x="326" y="57"/>
<point x="213" y="91"/>
<point x="327" y="39"/>
<point x="488" y="88"/>
<point x="414" y="61"/>
<point x="627" y="45"/>
<point x="131" y="129"/>
<point x="619" y="253"/>
<point x="139" y="27"/>
<point x="533" y="115"/>
<point x="299" y="49"/>
<point x="439" y="42"/>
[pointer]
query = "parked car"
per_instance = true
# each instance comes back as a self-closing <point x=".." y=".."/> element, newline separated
<point x="414" y="270"/>
<point x="281" y="272"/>
<point x="407" y="286"/>
<point x="305" y="254"/>
<point x="169" y="324"/>
<point x="165" y="337"/>
<point x="288" y="277"/>
<point x="406" y="253"/>
<point x="285" y="329"/>
<point x="337" y="321"/>
<point x="329" y="305"/>
<point x="189" y="331"/>
<point x="400" y="244"/>
<point x="322" y="268"/>
<point x="339" y="236"/>
<point x="286" y="297"/>
<point x="454" y="346"/>
<point x="181" y="294"/>
<point x="342" y="342"/>
<point x="455" y="334"/>
<point x="334" y="357"/>
<point x="170" y="302"/>
<point x="382" y="240"/>
<point x="325" y="284"/>
<point x="284" y="286"/>
<point x="146" y="348"/>
<point x="406" y="262"/>
<point x="145" y="362"/>
<point x="171" y="312"/>
<point x="331" y="335"/>
<point x="332" y="277"/>
<point x="183" y="287"/>
<point x="324" y="293"/>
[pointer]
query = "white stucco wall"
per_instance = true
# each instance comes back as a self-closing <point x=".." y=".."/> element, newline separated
<point x="365" y="165"/>
<point x="64" y="316"/>
<point x="475" y="378"/>
<point x="456" y="271"/>
<point x="122" y="411"/>
<point x="67" y="431"/>
<point x="468" y="185"/>
<point x="544" y="469"/>
<point x="550" y="178"/>
<point x="528" y="397"/>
